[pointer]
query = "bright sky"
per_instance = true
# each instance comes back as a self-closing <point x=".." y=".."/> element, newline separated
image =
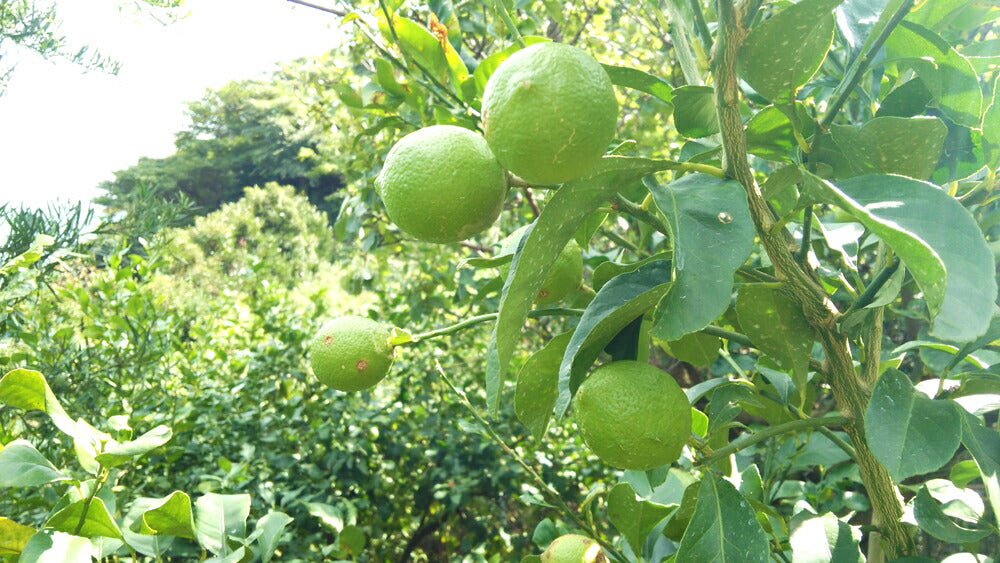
<point x="63" y="130"/>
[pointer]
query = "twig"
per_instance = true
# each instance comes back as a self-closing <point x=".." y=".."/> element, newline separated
<point x="333" y="11"/>
<point x="748" y="440"/>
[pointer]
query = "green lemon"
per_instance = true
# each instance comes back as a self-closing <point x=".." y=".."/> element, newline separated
<point x="442" y="184"/>
<point x="565" y="275"/>
<point x="549" y="112"/>
<point x="574" y="548"/>
<point x="633" y="415"/>
<point x="351" y="353"/>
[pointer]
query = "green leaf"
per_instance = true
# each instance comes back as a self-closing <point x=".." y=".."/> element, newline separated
<point x="938" y="240"/>
<point x="28" y="257"/>
<point x="13" y="536"/>
<point x="268" y="531"/>
<point x="27" y="389"/>
<point x="713" y="235"/>
<point x="694" y="111"/>
<point x="932" y="519"/>
<point x="352" y="539"/>
<point x="724" y="527"/>
<point x="52" y="546"/>
<point x="771" y="135"/>
<point x="984" y="445"/>
<point x="642" y="81"/>
<point x="418" y="43"/>
<point x="21" y="465"/>
<point x="910" y="146"/>
<point x="619" y="302"/>
<point x="948" y="76"/>
<point x="536" y="390"/>
<point x="95" y="518"/>
<point x="907" y="100"/>
<point x="170" y="516"/>
<point x="777" y="327"/>
<point x="632" y="516"/>
<point x="820" y="539"/>
<point x="117" y="454"/>
<point x="991" y="123"/>
<point x="782" y="53"/>
<point x="696" y="348"/>
<point x="605" y="271"/>
<point x="569" y="206"/>
<point x="219" y="516"/>
<point x="909" y="433"/>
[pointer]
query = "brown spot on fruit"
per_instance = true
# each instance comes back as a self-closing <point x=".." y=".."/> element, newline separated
<point x="327" y="339"/>
<point x="362" y="364"/>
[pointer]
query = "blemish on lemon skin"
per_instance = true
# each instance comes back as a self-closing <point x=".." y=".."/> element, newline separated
<point x="362" y="365"/>
<point x="327" y="339"/>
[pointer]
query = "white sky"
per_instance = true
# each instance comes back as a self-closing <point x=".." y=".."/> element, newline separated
<point x="63" y="130"/>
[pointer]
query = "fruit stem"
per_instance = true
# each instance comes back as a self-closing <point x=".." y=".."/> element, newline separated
<point x="542" y="483"/>
<point x="478" y="319"/>
<point x="501" y="8"/>
<point x="747" y="440"/>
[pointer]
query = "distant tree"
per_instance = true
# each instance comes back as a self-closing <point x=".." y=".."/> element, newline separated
<point x="244" y="134"/>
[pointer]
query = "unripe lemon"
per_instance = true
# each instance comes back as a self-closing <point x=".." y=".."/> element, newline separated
<point x="564" y="277"/>
<point x="633" y="415"/>
<point x="574" y="548"/>
<point x="351" y="353"/>
<point x="549" y="112"/>
<point x="442" y="184"/>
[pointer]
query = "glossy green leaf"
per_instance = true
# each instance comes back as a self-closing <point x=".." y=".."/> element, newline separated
<point x="938" y="240"/>
<point x="352" y="539"/>
<point x="536" y="390"/>
<point x="268" y="531"/>
<point x="948" y="76"/>
<point x="932" y="519"/>
<point x="909" y="433"/>
<point x="984" y="445"/>
<point x="778" y="327"/>
<point x="88" y="519"/>
<point x="27" y="389"/>
<point x="991" y="123"/>
<point x="21" y="465"/>
<point x="642" y="81"/>
<point x="632" y="516"/>
<point x="910" y="146"/>
<point x="617" y="304"/>
<point x="13" y="536"/>
<point x="53" y="546"/>
<point x="419" y="44"/>
<point x="906" y="100"/>
<point x="170" y="516"/>
<point x="823" y="538"/>
<point x="696" y="348"/>
<point x="723" y="528"/>
<point x="605" y="271"/>
<point x="770" y="134"/>
<point x="569" y="206"/>
<point x="219" y="516"/>
<point x="117" y="454"/>
<point x="681" y="518"/>
<point x="694" y="111"/>
<point x="713" y="235"/>
<point x="782" y="53"/>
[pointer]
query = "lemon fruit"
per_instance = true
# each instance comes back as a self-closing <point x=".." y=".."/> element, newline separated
<point x="565" y="275"/>
<point x="633" y="415"/>
<point x="442" y="184"/>
<point x="351" y="353"/>
<point x="574" y="548"/>
<point x="549" y="112"/>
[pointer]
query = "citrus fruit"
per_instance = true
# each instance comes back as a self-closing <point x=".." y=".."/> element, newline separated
<point x="549" y="112"/>
<point x="633" y="415"/>
<point x="574" y="548"/>
<point x="442" y="184"/>
<point x="565" y="275"/>
<point x="351" y="353"/>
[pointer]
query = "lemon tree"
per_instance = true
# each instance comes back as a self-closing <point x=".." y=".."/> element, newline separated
<point x="351" y="353"/>
<point x="442" y="184"/>
<point x="549" y="112"/>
